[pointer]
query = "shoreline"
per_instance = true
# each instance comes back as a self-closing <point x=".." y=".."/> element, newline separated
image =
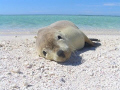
<point x="85" y="31"/>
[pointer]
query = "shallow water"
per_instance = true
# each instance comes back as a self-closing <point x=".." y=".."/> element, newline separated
<point x="31" y="23"/>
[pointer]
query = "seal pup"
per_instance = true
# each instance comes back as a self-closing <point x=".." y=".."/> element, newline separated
<point x="58" y="40"/>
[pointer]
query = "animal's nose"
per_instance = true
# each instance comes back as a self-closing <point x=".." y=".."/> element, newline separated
<point x="60" y="53"/>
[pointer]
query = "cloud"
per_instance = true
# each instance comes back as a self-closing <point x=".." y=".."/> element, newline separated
<point x="111" y="4"/>
<point x="89" y="5"/>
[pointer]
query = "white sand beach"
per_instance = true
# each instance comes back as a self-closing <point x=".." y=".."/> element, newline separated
<point x="87" y="69"/>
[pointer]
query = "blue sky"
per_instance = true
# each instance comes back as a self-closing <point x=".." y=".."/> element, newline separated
<point x="86" y="7"/>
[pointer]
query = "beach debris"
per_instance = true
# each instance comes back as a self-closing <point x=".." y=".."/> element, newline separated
<point x="51" y="73"/>
<point x="45" y="75"/>
<point x="37" y="77"/>
<point x="24" y="76"/>
<point x="42" y="66"/>
<point x="5" y="57"/>
<point x="42" y="70"/>
<point x="26" y="84"/>
<point x="16" y="70"/>
<point x="9" y="73"/>
<point x="27" y="65"/>
<point x="19" y="57"/>
<point x="62" y="80"/>
<point x="14" y="86"/>
<point x="38" y="68"/>
<point x="91" y="73"/>
<point x="1" y="45"/>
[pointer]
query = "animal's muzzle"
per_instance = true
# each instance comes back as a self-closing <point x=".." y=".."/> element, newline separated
<point x="60" y="53"/>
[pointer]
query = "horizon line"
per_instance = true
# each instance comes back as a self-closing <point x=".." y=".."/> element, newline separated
<point x="63" y="14"/>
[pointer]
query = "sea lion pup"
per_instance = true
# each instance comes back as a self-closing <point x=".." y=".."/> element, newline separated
<point x="58" y="40"/>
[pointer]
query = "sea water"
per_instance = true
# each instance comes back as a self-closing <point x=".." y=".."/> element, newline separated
<point x="32" y="23"/>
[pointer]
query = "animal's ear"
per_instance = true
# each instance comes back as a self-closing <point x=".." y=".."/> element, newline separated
<point x="35" y="37"/>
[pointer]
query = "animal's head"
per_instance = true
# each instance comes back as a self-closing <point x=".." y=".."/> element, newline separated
<point x="53" y="45"/>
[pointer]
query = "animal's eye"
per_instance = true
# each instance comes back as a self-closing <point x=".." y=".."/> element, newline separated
<point x="59" y="37"/>
<point x="44" y="53"/>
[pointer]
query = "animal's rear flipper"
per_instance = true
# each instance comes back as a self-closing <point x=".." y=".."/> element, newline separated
<point x="96" y="44"/>
<point x="93" y="39"/>
<point x="90" y="42"/>
<point x="35" y="37"/>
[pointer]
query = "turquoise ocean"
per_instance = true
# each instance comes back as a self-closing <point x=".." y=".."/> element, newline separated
<point x="31" y="23"/>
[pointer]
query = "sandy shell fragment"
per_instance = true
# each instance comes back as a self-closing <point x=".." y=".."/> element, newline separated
<point x="5" y="57"/>
<point x="16" y="70"/>
<point x="62" y="80"/>
<point x="91" y="73"/>
<point x="27" y="65"/>
<point x="1" y="45"/>
<point x="45" y="75"/>
<point x="42" y="70"/>
<point x="14" y="86"/>
<point x="51" y="73"/>
<point x="26" y="84"/>
<point x="19" y="57"/>
<point x="42" y="66"/>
